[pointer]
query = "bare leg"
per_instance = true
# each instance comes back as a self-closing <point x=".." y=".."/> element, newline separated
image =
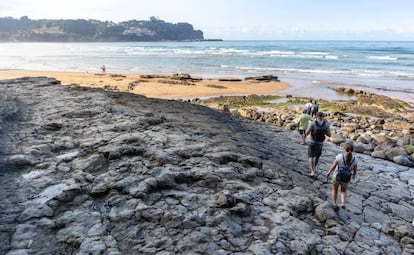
<point x="334" y="193"/>
<point x="343" y="194"/>
<point x="316" y="162"/>
<point x="312" y="166"/>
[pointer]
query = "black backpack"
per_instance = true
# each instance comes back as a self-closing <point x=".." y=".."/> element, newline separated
<point x="315" y="108"/>
<point x="318" y="132"/>
<point x="345" y="171"/>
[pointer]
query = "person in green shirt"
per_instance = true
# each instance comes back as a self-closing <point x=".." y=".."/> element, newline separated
<point x="303" y="125"/>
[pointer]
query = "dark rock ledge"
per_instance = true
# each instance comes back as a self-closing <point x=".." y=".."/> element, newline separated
<point x="88" y="171"/>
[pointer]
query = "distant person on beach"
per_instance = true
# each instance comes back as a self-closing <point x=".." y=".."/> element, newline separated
<point x="314" y="108"/>
<point x="303" y="125"/>
<point x="344" y="170"/>
<point x="308" y="107"/>
<point x="317" y="130"/>
<point x="103" y="68"/>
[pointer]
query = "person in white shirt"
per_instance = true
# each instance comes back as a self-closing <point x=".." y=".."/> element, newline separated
<point x="344" y="168"/>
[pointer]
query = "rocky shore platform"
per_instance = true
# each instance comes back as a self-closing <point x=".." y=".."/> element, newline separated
<point x="89" y="171"/>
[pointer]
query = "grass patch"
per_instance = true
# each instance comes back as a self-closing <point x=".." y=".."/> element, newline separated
<point x="243" y="101"/>
<point x="409" y="149"/>
<point x="293" y="101"/>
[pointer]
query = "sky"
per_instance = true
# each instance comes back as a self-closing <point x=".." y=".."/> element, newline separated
<point x="243" y="19"/>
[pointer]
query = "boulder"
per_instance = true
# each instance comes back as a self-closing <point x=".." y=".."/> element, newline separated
<point x="379" y="154"/>
<point x="337" y="139"/>
<point x="403" y="160"/>
<point x="392" y="152"/>
<point x="382" y="139"/>
<point x="363" y="148"/>
<point x="262" y="78"/>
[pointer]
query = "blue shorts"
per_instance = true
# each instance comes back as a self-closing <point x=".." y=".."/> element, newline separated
<point x="315" y="150"/>
<point x="301" y="132"/>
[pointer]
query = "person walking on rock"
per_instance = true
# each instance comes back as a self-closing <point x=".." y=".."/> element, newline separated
<point x="344" y="168"/>
<point x="303" y="125"/>
<point x="317" y="130"/>
<point x="308" y="107"/>
<point x="315" y="108"/>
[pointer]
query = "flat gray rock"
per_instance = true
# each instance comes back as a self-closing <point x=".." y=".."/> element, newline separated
<point x="90" y="171"/>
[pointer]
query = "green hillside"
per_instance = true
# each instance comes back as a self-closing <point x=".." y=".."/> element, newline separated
<point x="80" y="30"/>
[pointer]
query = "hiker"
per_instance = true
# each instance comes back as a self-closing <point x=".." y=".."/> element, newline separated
<point x="317" y="130"/>
<point x="344" y="170"/>
<point x="308" y="107"/>
<point x="314" y="108"/>
<point x="303" y="125"/>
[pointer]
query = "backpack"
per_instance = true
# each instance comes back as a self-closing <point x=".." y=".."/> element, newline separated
<point x="315" y="108"/>
<point x="318" y="132"/>
<point x="309" y="110"/>
<point x="345" y="172"/>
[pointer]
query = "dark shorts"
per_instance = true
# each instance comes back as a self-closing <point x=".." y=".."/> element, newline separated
<point x="334" y="181"/>
<point x="301" y="132"/>
<point x="315" y="150"/>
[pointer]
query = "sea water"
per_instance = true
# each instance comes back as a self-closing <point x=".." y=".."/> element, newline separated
<point x="313" y="68"/>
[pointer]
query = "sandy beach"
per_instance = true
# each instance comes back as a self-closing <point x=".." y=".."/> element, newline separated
<point x="161" y="87"/>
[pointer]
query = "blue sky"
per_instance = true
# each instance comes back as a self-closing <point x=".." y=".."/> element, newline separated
<point x="244" y="19"/>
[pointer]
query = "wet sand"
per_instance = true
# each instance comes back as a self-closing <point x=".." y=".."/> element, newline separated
<point x="156" y="87"/>
<point x="318" y="88"/>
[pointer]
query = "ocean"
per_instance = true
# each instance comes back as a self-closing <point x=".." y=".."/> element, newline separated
<point x="313" y="68"/>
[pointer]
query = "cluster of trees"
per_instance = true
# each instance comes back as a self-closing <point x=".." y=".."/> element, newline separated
<point x="80" y="30"/>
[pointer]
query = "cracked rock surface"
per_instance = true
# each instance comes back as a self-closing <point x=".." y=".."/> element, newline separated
<point x="88" y="171"/>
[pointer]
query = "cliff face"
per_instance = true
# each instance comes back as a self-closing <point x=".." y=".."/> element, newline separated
<point x="88" y="171"/>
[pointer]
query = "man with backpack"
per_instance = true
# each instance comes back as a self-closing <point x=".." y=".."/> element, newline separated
<point x="317" y="130"/>
<point x="314" y="108"/>
<point x="345" y="166"/>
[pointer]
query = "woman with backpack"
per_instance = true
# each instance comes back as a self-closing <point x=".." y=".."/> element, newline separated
<point x="344" y="170"/>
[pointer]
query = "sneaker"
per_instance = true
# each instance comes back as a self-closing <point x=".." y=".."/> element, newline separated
<point x="343" y="206"/>
<point x="335" y="207"/>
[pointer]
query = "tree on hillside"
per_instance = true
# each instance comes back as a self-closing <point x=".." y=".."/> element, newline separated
<point x="154" y="29"/>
